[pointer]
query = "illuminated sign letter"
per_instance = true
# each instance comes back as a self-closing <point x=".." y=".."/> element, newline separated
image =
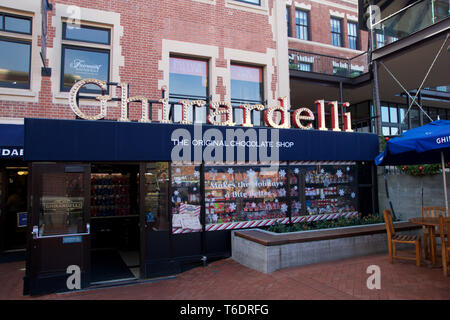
<point x="297" y="117"/>
<point x="334" y="116"/>
<point x="165" y="110"/>
<point x="285" y="118"/>
<point x="247" y="110"/>
<point x="218" y="109"/>
<point x="347" y="119"/>
<point x="321" y="114"/>
<point x="103" y="99"/>
<point x="125" y="101"/>
<point x="185" y="106"/>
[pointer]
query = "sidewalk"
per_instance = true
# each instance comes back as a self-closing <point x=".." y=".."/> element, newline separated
<point x="228" y="280"/>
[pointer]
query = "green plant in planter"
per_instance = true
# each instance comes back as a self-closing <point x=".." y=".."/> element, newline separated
<point x="326" y="224"/>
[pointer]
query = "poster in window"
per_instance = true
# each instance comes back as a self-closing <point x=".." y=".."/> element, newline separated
<point x="244" y="196"/>
<point x="185" y="199"/>
<point x="82" y="64"/>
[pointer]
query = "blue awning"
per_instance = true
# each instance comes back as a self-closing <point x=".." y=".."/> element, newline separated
<point x="83" y="140"/>
<point x="11" y="135"/>
<point x="11" y="141"/>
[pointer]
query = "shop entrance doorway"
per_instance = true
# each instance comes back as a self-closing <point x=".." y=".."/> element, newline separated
<point x="13" y="220"/>
<point x="114" y="218"/>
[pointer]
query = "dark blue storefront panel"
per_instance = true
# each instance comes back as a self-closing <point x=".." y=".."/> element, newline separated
<point x="11" y="141"/>
<point x="81" y="140"/>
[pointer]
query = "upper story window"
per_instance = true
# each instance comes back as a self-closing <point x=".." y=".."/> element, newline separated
<point x="246" y="88"/>
<point x="256" y="2"/>
<point x="336" y="32"/>
<point x="353" y="38"/>
<point x="302" y="24"/>
<point x="288" y="20"/>
<point x="85" y="54"/>
<point x="188" y="79"/>
<point x="15" y="49"/>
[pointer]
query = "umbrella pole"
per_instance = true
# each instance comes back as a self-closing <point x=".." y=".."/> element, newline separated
<point x="445" y="183"/>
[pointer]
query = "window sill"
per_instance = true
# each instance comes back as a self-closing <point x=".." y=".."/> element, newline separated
<point x="17" y="92"/>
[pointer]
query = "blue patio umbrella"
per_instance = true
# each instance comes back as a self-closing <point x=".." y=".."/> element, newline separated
<point x="423" y="145"/>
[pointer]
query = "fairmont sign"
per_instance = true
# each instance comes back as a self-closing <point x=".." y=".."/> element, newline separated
<point x="221" y="112"/>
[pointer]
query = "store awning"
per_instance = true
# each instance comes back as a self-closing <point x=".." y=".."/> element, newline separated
<point x="83" y="140"/>
<point x="11" y="141"/>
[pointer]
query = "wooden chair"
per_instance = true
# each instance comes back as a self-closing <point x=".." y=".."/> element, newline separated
<point x="394" y="238"/>
<point x="444" y="225"/>
<point x="426" y="213"/>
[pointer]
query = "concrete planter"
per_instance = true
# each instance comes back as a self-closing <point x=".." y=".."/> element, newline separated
<point x="266" y="251"/>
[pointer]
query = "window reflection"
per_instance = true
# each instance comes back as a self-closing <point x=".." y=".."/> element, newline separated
<point x="15" y="64"/>
<point x="61" y="204"/>
<point x="81" y="64"/>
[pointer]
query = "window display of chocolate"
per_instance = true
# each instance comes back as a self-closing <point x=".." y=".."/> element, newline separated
<point x="245" y="193"/>
<point x="110" y="195"/>
<point x="326" y="189"/>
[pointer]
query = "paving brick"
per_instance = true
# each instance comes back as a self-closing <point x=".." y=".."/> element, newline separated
<point x="228" y="280"/>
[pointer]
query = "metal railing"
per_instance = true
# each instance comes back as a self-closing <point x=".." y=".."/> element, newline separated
<point x="326" y="64"/>
<point x="413" y="18"/>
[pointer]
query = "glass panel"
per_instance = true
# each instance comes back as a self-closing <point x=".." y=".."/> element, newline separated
<point x="352" y="35"/>
<point x="82" y="64"/>
<point x="86" y="34"/>
<point x="15" y="64"/>
<point x="393" y="113"/>
<point x="15" y="24"/>
<point x="246" y="83"/>
<point x="394" y="131"/>
<point x="301" y="21"/>
<point x="61" y="204"/>
<point x="414" y="116"/>
<point x="110" y="194"/>
<point x="156" y="195"/>
<point x="288" y="20"/>
<point x="386" y="131"/>
<point x="244" y="193"/>
<point x="336" y="32"/>
<point x="384" y="114"/>
<point x="328" y="189"/>
<point x="433" y="113"/>
<point x="258" y="2"/>
<point x="185" y="199"/>
<point x="1" y="22"/>
<point x="188" y="77"/>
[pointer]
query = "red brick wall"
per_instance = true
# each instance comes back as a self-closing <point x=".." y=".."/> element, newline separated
<point x="145" y="24"/>
<point x="320" y="29"/>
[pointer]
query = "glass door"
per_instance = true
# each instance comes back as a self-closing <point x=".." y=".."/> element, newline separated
<point x="58" y="257"/>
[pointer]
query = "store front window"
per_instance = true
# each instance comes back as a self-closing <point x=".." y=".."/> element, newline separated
<point x="245" y="193"/>
<point x="156" y="192"/>
<point x="323" y="189"/>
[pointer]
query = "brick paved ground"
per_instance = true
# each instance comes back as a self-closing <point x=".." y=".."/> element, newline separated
<point x="228" y="280"/>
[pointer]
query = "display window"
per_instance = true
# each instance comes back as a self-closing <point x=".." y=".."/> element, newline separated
<point x="329" y="190"/>
<point x="185" y="198"/>
<point x="156" y="189"/>
<point x="239" y="194"/>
